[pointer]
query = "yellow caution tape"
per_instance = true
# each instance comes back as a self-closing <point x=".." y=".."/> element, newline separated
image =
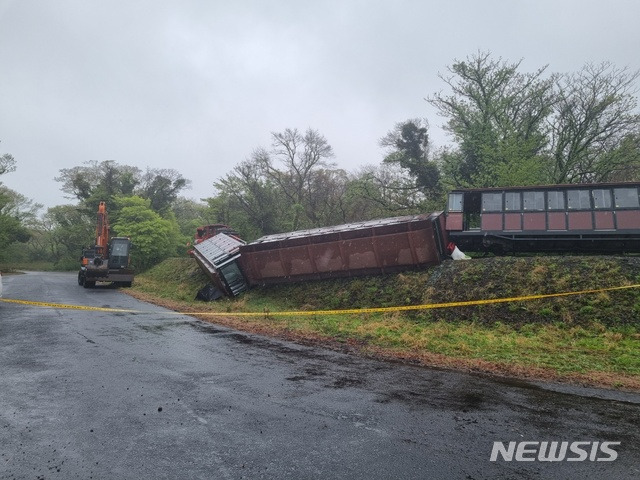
<point x="404" y="308"/>
<point x="62" y="305"/>
<point x="352" y="311"/>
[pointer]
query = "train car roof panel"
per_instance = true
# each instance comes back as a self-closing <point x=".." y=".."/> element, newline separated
<point x="347" y="227"/>
<point x="218" y="248"/>
<point x="548" y="187"/>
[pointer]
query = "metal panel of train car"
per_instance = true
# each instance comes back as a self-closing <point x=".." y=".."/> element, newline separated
<point x="557" y="220"/>
<point x="218" y="256"/>
<point x="378" y="246"/>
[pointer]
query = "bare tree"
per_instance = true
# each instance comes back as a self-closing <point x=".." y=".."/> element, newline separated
<point x="293" y="163"/>
<point x="7" y="163"/>
<point x="387" y="190"/>
<point x="595" y="127"/>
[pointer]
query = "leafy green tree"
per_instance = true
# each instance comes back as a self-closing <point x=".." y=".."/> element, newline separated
<point x="496" y="116"/>
<point x="17" y="212"/>
<point x="153" y="238"/>
<point x="408" y="145"/>
<point x="20" y="207"/>
<point x="512" y="128"/>
<point x="161" y="187"/>
<point x="190" y="214"/>
<point x="11" y="225"/>
<point x="96" y="182"/>
<point x="248" y="201"/>
<point x="626" y="157"/>
<point x="61" y="234"/>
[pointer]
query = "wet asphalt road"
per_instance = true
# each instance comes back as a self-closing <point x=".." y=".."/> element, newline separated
<point x="105" y="395"/>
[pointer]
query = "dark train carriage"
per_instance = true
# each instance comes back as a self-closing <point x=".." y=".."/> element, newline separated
<point x="602" y="217"/>
<point x="364" y="248"/>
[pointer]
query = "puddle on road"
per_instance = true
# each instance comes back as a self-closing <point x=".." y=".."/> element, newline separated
<point x="310" y="373"/>
<point x="160" y="327"/>
<point x="206" y="328"/>
<point x="345" y="382"/>
<point x="411" y="385"/>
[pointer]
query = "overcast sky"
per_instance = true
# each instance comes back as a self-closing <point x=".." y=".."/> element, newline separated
<point x="197" y="85"/>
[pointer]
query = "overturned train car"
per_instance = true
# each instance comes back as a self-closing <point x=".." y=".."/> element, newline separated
<point x="363" y="248"/>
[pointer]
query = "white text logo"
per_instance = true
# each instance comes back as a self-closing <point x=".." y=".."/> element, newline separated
<point x="555" y="451"/>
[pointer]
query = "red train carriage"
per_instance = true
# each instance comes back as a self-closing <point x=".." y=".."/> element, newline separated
<point x="364" y="248"/>
<point x="602" y="217"/>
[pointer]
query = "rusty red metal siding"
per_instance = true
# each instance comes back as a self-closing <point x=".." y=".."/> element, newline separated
<point x="534" y="221"/>
<point x="557" y="220"/>
<point x="348" y="251"/>
<point x="454" y="221"/>
<point x="603" y="220"/>
<point x="491" y="221"/>
<point x="360" y="253"/>
<point x="628" y="219"/>
<point x="268" y="264"/>
<point x="326" y="257"/>
<point x="580" y="221"/>
<point x="513" y="221"/>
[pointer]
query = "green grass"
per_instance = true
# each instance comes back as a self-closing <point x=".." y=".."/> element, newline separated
<point x="589" y="336"/>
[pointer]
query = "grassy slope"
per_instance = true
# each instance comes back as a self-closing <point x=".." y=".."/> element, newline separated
<point x="592" y="339"/>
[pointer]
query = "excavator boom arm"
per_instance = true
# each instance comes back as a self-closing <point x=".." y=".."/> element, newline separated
<point x="102" y="230"/>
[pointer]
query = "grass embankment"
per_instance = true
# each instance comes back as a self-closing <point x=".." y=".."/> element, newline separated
<point x="591" y="339"/>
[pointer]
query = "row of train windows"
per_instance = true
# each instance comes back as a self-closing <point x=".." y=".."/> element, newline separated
<point x="626" y="197"/>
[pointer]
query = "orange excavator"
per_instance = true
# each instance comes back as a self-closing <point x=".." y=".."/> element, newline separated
<point x="108" y="260"/>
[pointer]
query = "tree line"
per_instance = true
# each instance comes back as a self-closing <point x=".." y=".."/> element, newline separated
<point x="507" y="127"/>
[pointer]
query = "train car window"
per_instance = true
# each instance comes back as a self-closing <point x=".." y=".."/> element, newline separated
<point x="455" y="202"/>
<point x="512" y="201"/>
<point x="579" y="200"/>
<point x="601" y="198"/>
<point x="626" y="197"/>
<point x="555" y="200"/>
<point x="492" y="202"/>
<point x="533" y="200"/>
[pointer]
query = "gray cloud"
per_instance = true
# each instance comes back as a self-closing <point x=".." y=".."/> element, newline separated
<point x="197" y="85"/>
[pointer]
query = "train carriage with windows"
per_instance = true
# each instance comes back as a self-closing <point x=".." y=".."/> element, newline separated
<point x="603" y="217"/>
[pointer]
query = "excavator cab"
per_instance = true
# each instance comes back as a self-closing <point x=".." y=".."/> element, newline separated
<point x="119" y="248"/>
